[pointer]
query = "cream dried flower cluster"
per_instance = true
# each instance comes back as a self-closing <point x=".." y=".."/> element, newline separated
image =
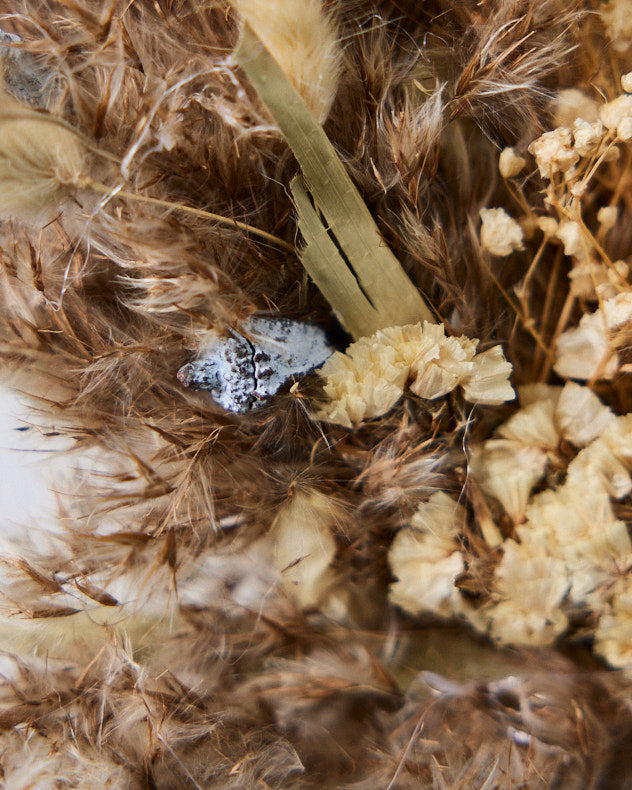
<point x="568" y="551"/>
<point x="372" y="375"/>
<point x="570" y="159"/>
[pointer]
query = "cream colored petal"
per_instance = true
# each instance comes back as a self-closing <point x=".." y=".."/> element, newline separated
<point x="508" y="471"/>
<point x="512" y="624"/>
<point x="531" y="589"/>
<point x="488" y="383"/>
<point x="553" y="153"/>
<point x="618" y="436"/>
<point x="575" y="240"/>
<point x="439" y="520"/>
<point x="500" y="233"/>
<point x="425" y="581"/>
<point x="587" y="136"/>
<point x="580" y="415"/>
<point x="533" y="425"/>
<point x="597" y="465"/>
<point x="510" y="164"/>
<point x="433" y="381"/>
<point x="613" y="637"/>
<point x="585" y="352"/>
<point x="612" y="113"/>
<point x="618" y="310"/>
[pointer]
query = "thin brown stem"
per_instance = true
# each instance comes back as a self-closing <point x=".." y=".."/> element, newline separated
<point x="104" y="189"/>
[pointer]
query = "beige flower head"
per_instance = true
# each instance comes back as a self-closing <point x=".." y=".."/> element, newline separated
<point x="370" y="377"/>
<point x="426" y="560"/>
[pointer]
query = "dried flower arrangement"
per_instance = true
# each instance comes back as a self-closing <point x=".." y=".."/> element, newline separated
<point x="276" y="271"/>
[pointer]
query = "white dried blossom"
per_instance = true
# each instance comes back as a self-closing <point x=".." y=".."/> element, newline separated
<point x="587" y="136"/>
<point x="508" y="467"/>
<point x="576" y="524"/>
<point x="509" y="163"/>
<point x="574" y="239"/>
<point x="488" y="380"/>
<point x="426" y="560"/>
<point x="533" y="425"/>
<point x="626" y="82"/>
<point x="580" y="416"/>
<point x="613" y="112"/>
<point x="598" y="466"/>
<point x="570" y="104"/>
<point x="371" y="376"/>
<point x="586" y="351"/>
<point x="500" y="234"/>
<point x="438" y="372"/>
<point x="613" y="637"/>
<point x="607" y="217"/>
<point x="365" y="382"/>
<point x="532" y="589"/>
<point x="553" y="152"/>
<point x="508" y="470"/>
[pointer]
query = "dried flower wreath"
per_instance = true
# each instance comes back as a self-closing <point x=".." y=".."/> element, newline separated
<point x="275" y="270"/>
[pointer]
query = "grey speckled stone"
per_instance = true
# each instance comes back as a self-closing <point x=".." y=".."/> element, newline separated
<point x="244" y="370"/>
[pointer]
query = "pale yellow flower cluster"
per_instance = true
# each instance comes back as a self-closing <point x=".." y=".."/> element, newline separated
<point x="568" y="548"/>
<point x="372" y="375"/>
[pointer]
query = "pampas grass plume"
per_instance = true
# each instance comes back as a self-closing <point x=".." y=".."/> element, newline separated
<point x="41" y="161"/>
<point x="303" y="40"/>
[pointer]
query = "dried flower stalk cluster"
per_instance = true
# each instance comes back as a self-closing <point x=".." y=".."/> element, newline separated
<point x="316" y="593"/>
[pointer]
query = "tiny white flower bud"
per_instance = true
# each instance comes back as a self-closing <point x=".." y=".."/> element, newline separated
<point x="509" y="163"/>
<point x="500" y="233"/>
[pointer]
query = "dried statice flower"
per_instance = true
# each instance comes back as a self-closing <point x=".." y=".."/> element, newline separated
<point x="531" y="589"/>
<point x="576" y="524"/>
<point x="370" y="377"/>
<point x="243" y="371"/>
<point x="553" y="152"/>
<point x="588" y="351"/>
<point x="425" y="558"/>
<point x="500" y="234"/>
<point x="508" y="467"/>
